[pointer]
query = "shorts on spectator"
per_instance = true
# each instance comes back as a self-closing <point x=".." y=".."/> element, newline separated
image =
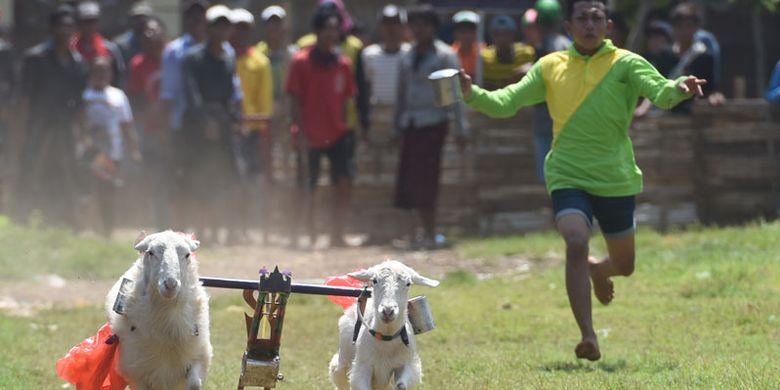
<point x="614" y="214"/>
<point x="341" y="156"/>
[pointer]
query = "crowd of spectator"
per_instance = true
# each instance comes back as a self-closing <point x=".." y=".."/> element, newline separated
<point x="200" y="113"/>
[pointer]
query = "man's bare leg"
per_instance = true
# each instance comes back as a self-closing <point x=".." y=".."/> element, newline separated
<point x="576" y="233"/>
<point x="620" y="262"/>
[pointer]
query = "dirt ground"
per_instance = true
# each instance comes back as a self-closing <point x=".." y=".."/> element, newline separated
<point x="244" y="262"/>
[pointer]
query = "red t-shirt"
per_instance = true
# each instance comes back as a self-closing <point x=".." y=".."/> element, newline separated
<point x="144" y="84"/>
<point x="323" y="92"/>
<point x="144" y="77"/>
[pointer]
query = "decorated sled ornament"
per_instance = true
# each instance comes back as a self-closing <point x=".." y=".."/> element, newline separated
<point x="260" y="364"/>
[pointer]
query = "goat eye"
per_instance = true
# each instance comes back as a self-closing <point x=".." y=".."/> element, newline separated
<point x="408" y="284"/>
<point x="150" y="253"/>
<point x="375" y="281"/>
<point x="187" y="256"/>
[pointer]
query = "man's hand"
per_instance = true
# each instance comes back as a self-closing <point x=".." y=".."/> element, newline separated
<point x="465" y="83"/>
<point x="692" y="86"/>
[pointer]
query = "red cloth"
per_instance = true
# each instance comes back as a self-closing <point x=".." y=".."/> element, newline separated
<point x="343" y="281"/>
<point x="92" y="365"/>
<point x="143" y="86"/>
<point x="144" y="77"/>
<point x="89" y="52"/>
<point x="322" y="92"/>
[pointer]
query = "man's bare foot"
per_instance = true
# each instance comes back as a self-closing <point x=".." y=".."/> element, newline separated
<point x="588" y="349"/>
<point x="603" y="287"/>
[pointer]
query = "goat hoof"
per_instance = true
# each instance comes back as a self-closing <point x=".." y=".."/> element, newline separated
<point x="195" y="386"/>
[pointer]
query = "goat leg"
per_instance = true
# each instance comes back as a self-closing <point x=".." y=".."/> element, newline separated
<point x="407" y="376"/>
<point x="360" y="377"/>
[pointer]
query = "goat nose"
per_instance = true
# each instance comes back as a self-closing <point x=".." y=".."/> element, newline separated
<point x="171" y="283"/>
<point x="388" y="311"/>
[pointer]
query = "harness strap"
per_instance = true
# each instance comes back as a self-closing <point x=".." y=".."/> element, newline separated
<point x="361" y="306"/>
<point x="401" y="333"/>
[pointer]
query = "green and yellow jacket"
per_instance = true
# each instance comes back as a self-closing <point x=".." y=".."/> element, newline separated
<point x="591" y="101"/>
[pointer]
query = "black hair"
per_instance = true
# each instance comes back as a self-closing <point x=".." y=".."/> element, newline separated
<point x="61" y="12"/>
<point x="570" y="6"/>
<point x="194" y="7"/>
<point x="324" y="13"/>
<point x="425" y="13"/>
<point x="686" y="11"/>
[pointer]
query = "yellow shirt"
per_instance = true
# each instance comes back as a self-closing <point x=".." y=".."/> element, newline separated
<point x="254" y="71"/>
<point x="497" y="74"/>
<point x="351" y="49"/>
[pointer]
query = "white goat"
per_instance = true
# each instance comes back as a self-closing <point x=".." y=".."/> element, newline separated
<point x="164" y="331"/>
<point x="385" y="348"/>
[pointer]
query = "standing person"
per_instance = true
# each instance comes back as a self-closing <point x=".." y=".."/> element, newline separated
<point x="693" y="56"/>
<point x="422" y="125"/>
<point x="349" y="46"/>
<point x="209" y="126"/>
<point x="466" y="44"/>
<point x="143" y="89"/>
<point x="173" y="102"/>
<point x="505" y="61"/>
<point x="254" y="72"/>
<point x="591" y="90"/>
<point x="129" y="42"/>
<point x="279" y="51"/>
<point x="53" y="78"/>
<point x="381" y="67"/>
<point x="382" y="64"/>
<point x="321" y="85"/>
<point x="532" y="33"/>
<point x="90" y="44"/>
<point x="109" y="127"/>
<point x="549" y="21"/>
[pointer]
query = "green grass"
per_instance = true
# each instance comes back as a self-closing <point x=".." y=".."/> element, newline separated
<point x="701" y="311"/>
<point x="27" y="252"/>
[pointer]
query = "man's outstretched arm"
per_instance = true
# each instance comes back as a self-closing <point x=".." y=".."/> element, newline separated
<point x="663" y="92"/>
<point x="505" y="102"/>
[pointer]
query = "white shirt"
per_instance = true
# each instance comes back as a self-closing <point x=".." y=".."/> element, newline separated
<point x="106" y="110"/>
<point x="381" y="70"/>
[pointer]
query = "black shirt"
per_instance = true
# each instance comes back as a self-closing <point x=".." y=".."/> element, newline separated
<point x="52" y="87"/>
<point x="210" y="89"/>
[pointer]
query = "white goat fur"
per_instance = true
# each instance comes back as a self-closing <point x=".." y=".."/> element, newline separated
<point x="377" y="364"/>
<point x="164" y="341"/>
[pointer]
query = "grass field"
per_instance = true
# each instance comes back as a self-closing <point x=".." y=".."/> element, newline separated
<point x="701" y="311"/>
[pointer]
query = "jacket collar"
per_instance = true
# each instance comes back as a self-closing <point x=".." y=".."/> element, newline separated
<point x="607" y="47"/>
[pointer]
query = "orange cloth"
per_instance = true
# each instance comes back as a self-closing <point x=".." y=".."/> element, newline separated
<point x="468" y="59"/>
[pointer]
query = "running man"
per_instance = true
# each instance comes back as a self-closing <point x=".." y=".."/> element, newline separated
<point x="592" y="90"/>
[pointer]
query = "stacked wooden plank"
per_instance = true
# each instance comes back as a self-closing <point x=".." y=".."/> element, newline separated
<point x="510" y="198"/>
<point x="736" y="162"/>
<point x="664" y="151"/>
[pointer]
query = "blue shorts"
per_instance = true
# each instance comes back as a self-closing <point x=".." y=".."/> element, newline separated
<point x="614" y="214"/>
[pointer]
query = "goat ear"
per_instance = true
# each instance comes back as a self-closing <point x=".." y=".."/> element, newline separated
<point x="363" y="275"/>
<point x="142" y="242"/>
<point x="194" y="244"/>
<point x="423" y="281"/>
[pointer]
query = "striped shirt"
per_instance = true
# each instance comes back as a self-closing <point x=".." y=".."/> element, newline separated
<point x="381" y="70"/>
